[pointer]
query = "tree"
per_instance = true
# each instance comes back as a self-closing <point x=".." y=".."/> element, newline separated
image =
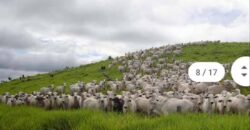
<point x="51" y="75"/>
<point x="110" y="58"/>
<point x="103" y="67"/>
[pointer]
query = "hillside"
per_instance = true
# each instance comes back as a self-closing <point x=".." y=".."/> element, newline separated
<point x="84" y="73"/>
<point x="222" y="52"/>
<point x="27" y="117"/>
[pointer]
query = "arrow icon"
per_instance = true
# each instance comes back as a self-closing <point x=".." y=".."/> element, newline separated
<point x="244" y="67"/>
<point x="244" y="74"/>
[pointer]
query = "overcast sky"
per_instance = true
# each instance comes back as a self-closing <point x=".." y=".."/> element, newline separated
<point x="39" y="36"/>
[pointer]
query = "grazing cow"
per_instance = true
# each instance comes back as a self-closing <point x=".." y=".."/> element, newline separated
<point x="5" y="97"/>
<point x="31" y="100"/>
<point x="47" y="102"/>
<point x="104" y="102"/>
<point x="144" y="105"/>
<point x="118" y="104"/>
<point x="129" y="105"/>
<point x="91" y="103"/>
<point x="238" y="105"/>
<point x="195" y="99"/>
<point x="221" y="103"/>
<point x="46" y="90"/>
<point x="248" y="106"/>
<point x="215" y="89"/>
<point x="208" y="104"/>
<point x="76" y="88"/>
<point x="70" y="102"/>
<point x="61" y="89"/>
<point x="174" y="105"/>
<point x="11" y="101"/>
<point x="121" y="69"/>
<point x="77" y="101"/>
<point x="59" y="100"/>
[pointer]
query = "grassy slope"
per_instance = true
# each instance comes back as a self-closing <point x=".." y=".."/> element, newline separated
<point x="35" y="118"/>
<point x="223" y="52"/>
<point x="84" y="73"/>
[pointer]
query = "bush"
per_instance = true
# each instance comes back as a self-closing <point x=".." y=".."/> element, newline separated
<point x="103" y="67"/>
<point x="110" y="58"/>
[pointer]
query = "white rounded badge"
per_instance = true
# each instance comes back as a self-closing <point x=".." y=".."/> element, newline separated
<point x="206" y="72"/>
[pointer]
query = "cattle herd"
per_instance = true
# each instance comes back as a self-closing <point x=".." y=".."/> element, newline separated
<point x="154" y="83"/>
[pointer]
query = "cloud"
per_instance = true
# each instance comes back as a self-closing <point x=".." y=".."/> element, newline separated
<point x="32" y="61"/>
<point x="41" y="36"/>
<point x="12" y="38"/>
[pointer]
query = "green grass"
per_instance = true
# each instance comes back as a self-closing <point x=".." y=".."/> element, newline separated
<point x="23" y="118"/>
<point x="220" y="52"/>
<point x="84" y="73"/>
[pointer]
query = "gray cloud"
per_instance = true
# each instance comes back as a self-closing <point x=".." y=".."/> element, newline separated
<point x="35" y="62"/>
<point x="16" y="39"/>
<point x="40" y="36"/>
<point x="109" y="20"/>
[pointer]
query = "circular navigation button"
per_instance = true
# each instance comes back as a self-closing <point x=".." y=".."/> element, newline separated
<point x="240" y="71"/>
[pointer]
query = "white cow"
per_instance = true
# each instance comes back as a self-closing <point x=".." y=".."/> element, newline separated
<point x="238" y="105"/>
<point x="91" y="103"/>
<point x="208" y="104"/>
<point x="221" y="103"/>
<point x="144" y="105"/>
<point x="172" y="105"/>
<point x="129" y="105"/>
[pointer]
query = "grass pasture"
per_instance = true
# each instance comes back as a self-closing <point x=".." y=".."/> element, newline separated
<point x="84" y="73"/>
<point x="215" y="52"/>
<point x="28" y="118"/>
